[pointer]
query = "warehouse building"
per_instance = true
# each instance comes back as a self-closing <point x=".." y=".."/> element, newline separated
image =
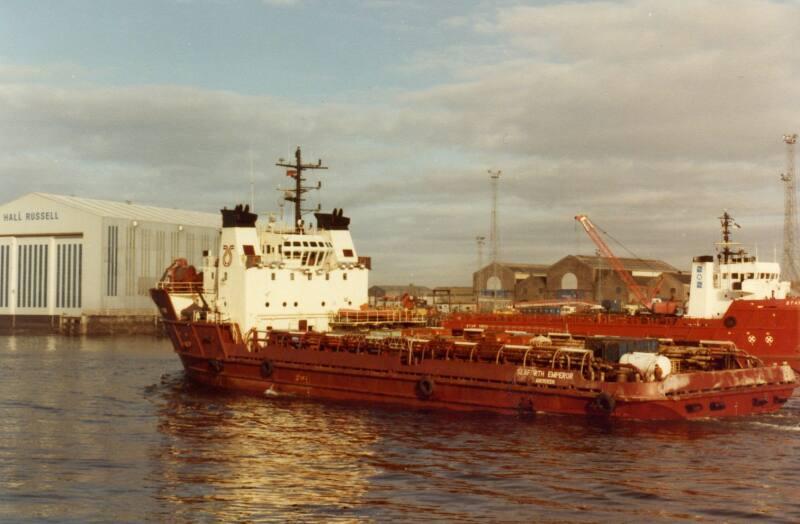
<point x="495" y="285"/>
<point x="579" y="278"/>
<point x="63" y="257"/>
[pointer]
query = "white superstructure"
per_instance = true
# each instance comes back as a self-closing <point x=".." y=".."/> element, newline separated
<point x="275" y="275"/>
<point x="732" y="276"/>
<point x="281" y="278"/>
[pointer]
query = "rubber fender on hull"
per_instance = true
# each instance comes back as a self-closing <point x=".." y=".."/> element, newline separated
<point x="215" y="365"/>
<point x="425" y="388"/>
<point x="604" y="403"/>
<point x="267" y="369"/>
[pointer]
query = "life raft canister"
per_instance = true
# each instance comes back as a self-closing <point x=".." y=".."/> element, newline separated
<point x="425" y="388"/>
<point x="267" y="369"/>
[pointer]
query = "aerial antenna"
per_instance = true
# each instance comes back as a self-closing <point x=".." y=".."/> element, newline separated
<point x="252" y="185"/>
<point x="295" y="195"/>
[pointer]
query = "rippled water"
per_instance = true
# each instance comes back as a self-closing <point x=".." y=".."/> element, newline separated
<point x="108" y="429"/>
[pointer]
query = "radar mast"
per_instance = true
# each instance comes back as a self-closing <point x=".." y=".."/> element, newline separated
<point x="295" y="195"/>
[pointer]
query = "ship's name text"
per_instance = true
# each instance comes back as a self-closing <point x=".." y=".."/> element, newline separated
<point x="543" y="376"/>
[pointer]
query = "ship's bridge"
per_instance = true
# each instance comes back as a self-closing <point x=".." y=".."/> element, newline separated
<point x="297" y="251"/>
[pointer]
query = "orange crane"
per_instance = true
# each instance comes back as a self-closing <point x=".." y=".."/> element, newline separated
<point x="644" y="297"/>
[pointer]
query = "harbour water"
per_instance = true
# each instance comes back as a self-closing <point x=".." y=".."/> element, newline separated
<point x="108" y="429"/>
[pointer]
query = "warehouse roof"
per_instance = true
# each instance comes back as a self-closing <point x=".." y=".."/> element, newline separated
<point x="398" y="290"/>
<point x="631" y="264"/>
<point x="110" y="208"/>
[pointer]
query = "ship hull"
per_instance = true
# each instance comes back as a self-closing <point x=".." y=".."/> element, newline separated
<point x="211" y="355"/>
<point x="768" y="329"/>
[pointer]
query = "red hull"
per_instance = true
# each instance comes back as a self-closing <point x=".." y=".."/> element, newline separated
<point x="768" y="329"/>
<point x="211" y="355"/>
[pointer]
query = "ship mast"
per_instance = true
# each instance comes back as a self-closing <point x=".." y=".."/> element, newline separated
<point x="726" y="220"/>
<point x="295" y="195"/>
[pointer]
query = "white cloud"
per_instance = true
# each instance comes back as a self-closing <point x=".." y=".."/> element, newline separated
<point x="650" y="117"/>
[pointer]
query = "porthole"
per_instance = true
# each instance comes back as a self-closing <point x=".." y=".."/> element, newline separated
<point x="295" y="304"/>
<point x="323" y="303"/>
<point x="267" y="304"/>
<point x="284" y="304"/>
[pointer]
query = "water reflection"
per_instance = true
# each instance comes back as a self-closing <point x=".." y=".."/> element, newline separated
<point x="250" y="459"/>
<point x="247" y="458"/>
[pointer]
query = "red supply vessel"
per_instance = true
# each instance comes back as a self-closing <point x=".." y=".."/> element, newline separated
<point x="733" y="297"/>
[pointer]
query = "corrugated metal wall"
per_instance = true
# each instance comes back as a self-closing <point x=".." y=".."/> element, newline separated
<point x="137" y="255"/>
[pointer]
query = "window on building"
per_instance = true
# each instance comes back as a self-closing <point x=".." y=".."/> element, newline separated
<point x="112" y="262"/>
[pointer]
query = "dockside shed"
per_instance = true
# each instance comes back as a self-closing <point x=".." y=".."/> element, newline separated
<point x="63" y="255"/>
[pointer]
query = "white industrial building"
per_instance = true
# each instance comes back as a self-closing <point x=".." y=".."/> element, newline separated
<point x="68" y="256"/>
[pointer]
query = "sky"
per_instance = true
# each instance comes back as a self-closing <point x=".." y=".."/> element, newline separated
<point x="651" y="117"/>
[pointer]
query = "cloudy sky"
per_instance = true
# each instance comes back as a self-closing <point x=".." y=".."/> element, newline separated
<point x="649" y="116"/>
